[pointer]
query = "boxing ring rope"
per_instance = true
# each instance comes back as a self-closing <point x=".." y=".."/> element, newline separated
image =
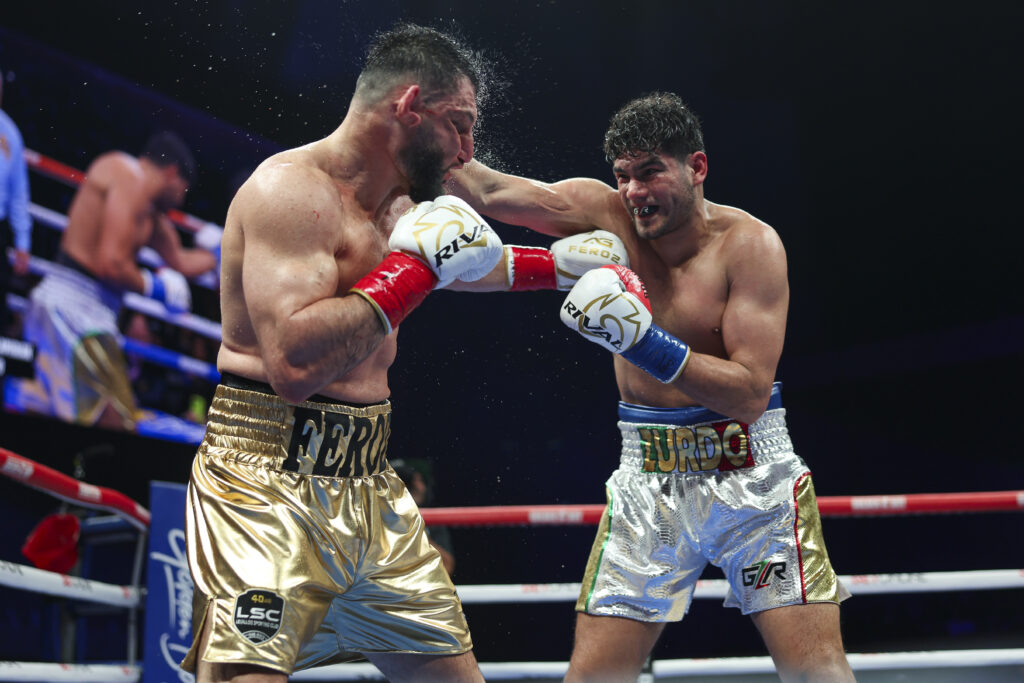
<point x="722" y="666"/>
<point x="858" y="584"/>
<point x="59" y="485"/>
<point x="22" y="577"/>
<point x="828" y="506"/>
<point x="154" y="354"/>
<point x="142" y="304"/>
<point x="40" y="477"/>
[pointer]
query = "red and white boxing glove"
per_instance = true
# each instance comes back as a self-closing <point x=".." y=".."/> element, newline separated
<point x="169" y="287"/>
<point x="609" y="306"/>
<point x="530" y="268"/>
<point x="433" y="244"/>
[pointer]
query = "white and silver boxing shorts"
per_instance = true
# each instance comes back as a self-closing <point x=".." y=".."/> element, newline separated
<point x="694" y="487"/>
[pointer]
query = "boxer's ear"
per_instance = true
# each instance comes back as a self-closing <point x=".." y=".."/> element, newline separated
<point x="698" y="161"/>
<point x="407" y="106"/>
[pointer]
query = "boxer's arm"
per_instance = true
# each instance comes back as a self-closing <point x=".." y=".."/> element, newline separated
<point x="609" y="306"/>
<point x="166" y="242"/>
<point x="753" y="329"/>
<point x="558" y="209"/>
<point x="527" y="268"/>
<point x="308" y="336"/>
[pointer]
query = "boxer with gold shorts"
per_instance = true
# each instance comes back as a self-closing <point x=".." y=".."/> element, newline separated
<point x="306" y="547"/>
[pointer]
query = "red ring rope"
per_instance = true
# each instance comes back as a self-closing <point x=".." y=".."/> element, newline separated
<point x="829" y="506"/>
<point x="62" y="486"/>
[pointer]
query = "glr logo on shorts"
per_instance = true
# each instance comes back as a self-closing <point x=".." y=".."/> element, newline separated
<point x="760" y="575"/>
<point x="257" y="615"/>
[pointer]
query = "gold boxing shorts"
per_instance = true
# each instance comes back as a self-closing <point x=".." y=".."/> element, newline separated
<point x="304" y="545"/>
<point x="694" y="487"/>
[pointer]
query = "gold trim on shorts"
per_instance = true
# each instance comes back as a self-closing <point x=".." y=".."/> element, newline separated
<point x="601" y="539"/>
<point x="820" y="583"/>
<point x="99" y="375"/>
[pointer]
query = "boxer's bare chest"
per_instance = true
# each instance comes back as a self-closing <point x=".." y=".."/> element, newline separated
<point x="688" y="299"/>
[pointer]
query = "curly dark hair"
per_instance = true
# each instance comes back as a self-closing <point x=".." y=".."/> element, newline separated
<point x="434" y="58"/>
<point x="659" y="121"/>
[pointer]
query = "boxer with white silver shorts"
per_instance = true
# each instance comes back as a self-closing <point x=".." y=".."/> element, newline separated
<point x="696" y="322"/>
<point x="695" y="487"/>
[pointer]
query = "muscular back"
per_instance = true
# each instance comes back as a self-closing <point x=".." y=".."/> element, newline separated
<point x="295" y="241"/>
<point x="110" y="217"/>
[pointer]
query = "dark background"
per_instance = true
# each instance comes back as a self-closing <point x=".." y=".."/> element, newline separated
<point x="882" y="140"/>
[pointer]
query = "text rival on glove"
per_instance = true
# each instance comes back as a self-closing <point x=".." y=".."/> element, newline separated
<point x="593" y="330"/>
<point x="452" y="247"/>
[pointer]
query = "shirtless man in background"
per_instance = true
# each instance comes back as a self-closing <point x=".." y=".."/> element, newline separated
<point x="120" y="207"/>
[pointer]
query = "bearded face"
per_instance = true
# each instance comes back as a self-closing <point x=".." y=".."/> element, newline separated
<point x="424" y="167"/>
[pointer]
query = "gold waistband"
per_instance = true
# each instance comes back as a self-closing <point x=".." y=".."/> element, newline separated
<point x="313" y="438"/>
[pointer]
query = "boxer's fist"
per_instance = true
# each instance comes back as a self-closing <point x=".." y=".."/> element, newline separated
<point x="169" y="287"/>
<point x="578" y="254"/>
<point x="450" y="238"/>
<point x="609" y="306"/>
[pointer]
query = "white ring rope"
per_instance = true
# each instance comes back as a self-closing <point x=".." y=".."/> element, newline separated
<point x="150" y="352"/>
<point x="31" y="672"/>
<point x="870" y="661"/>
<point x="34" y="580"/>
<point x="142" y="304"/>
<point x="858" y="584"/>
<point x="51" y="583"/>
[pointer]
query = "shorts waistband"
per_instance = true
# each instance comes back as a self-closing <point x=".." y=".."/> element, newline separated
<point x="691" y="415"/>
<point x="325" y="438"/>
<point x="73" y="285"/>
<point x="230" y="379"/>
<point x="699" y="441"/>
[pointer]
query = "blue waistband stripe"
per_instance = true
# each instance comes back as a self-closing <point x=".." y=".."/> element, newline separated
<point x="630" y="412"/>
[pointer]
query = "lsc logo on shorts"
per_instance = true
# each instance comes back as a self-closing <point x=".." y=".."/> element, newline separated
<point x="258" y="615"/>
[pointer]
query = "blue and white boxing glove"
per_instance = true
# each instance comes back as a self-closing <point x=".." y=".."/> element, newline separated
<point x="169" y="287"/>
<point x="609" y="306"/>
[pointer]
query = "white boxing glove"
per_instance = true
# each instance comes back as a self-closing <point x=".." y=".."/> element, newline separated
<point x="609" y="306"/>
<point x="578" y="254"/>
<point x="433" y="244"/>
<point x="606" y="310"/>
<point x="531" y="268"/>
<point x="169" y="287"/>
<point x="450" y="238"/>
